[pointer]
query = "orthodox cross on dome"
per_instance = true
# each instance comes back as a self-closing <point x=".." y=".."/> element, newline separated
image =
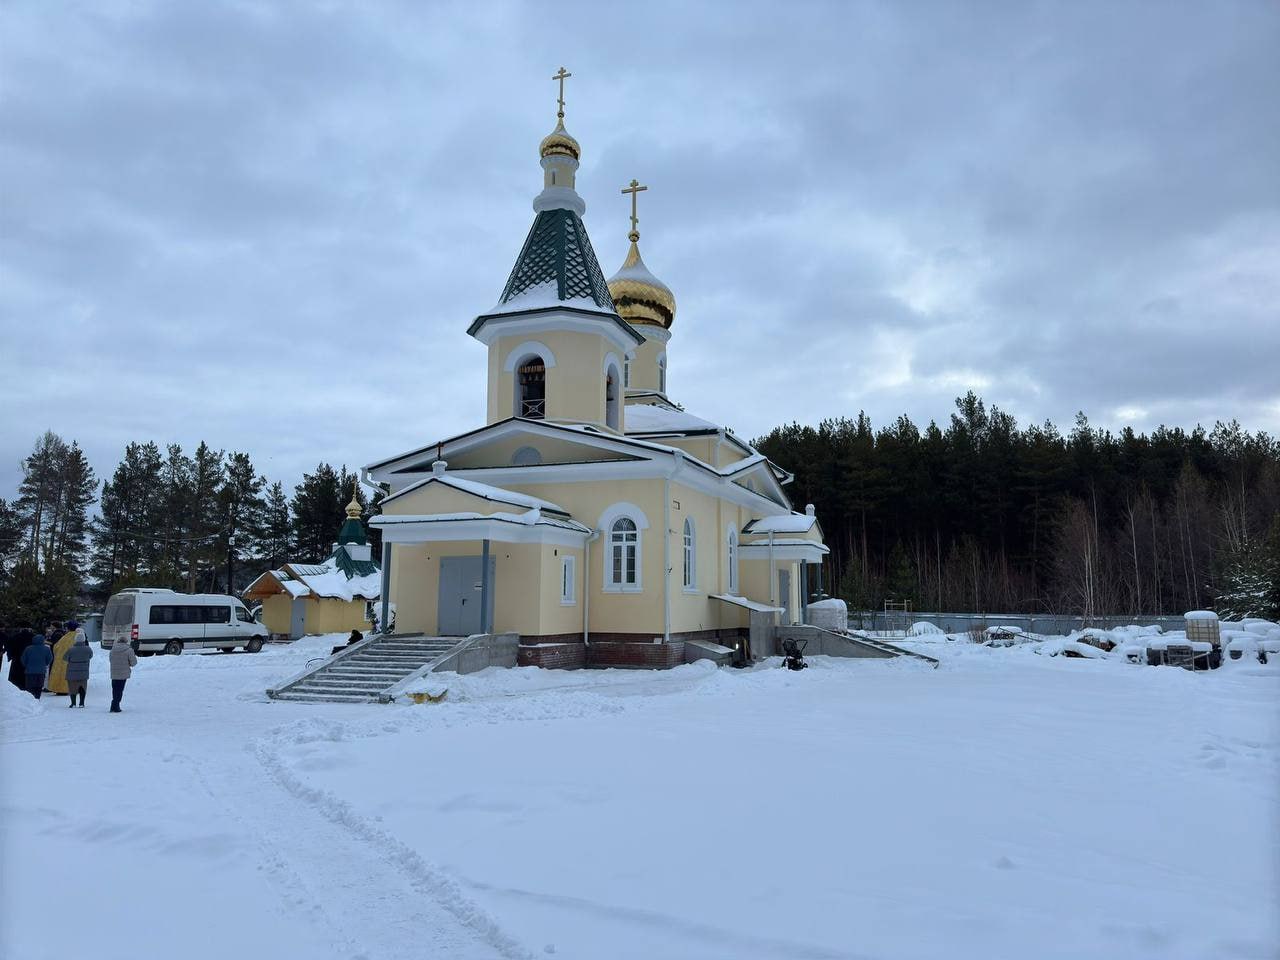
<point x="562" y="75"/>
<point x="634" y="189"/>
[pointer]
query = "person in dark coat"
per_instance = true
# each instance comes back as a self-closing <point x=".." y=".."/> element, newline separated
<point x="20" y="641"/>
<point x="356" y="637"/>
<point x="77" y="660"/>
<point x="35" y="661"/>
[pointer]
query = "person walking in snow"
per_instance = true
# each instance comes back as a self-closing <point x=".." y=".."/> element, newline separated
<point x="19" y="643"/>
<point x="35" y="662"/>
<point x="123" y="660"/>
<point x="77" y="661"/>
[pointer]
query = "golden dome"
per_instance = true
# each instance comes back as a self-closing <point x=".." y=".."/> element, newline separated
<point x="558" y="143"/>
<point x="353" y="508"/>
<point x="640" y="296"/>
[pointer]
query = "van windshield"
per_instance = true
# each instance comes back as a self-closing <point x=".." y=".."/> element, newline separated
<point x="119" y="612"/>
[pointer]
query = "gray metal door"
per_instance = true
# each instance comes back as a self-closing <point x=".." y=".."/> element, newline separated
<point x="461" y="587"/>
<point x="784" y="594"/>
<point x="297" y="618"/>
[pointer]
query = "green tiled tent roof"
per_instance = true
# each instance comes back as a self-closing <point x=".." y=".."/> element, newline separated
<point x="558" y="250"/>
<point x="353" y="568"/>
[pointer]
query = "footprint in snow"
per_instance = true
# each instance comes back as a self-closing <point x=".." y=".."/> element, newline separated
<point x="1004" y="863"/>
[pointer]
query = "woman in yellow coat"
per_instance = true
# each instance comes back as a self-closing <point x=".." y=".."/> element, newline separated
<point x="57" y="682"/>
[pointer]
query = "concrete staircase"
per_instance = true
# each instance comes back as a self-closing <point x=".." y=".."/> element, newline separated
<point x="364" y="672"/>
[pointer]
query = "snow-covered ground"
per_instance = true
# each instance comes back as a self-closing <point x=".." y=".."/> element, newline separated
<point x="1005" y="805"/>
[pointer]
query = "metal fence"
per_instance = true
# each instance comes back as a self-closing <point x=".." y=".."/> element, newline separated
<point x="1045" y="624"/>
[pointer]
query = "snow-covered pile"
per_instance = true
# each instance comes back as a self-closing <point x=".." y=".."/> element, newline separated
<point x="830" y="614"/>
<point x="924" y="629"/>
<point x="17" y="704"/>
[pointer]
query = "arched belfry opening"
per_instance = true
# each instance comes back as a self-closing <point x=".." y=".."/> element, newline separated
<point x="612" y="398"/>
<point x="531" y="389"/>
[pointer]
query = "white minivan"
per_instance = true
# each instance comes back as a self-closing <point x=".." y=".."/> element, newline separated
<point x="152" y="620"/>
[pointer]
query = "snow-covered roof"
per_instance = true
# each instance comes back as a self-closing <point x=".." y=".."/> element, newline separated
<point x="542" y="296"/>
<point x="745" y="603"/>
<point x="326" y="580"/>
<point x="656" y="418"/>
<point x="783" y="523"/>
<point x="556" y="267"/>
<point x="1200" y="615"/>
<point x="532" y="518"/>
<point x="485" y="490"/>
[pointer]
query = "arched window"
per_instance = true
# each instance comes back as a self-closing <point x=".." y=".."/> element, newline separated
<point x="531" y="389"/>
<point x="611" y="402"/>
<point x="662" y="374"/>
<point x="733" y="560"/>
<point x="690" y="556"/>
<point x="624" y="555"/>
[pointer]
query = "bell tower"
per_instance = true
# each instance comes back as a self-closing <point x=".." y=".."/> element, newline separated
<point x="557" y="346"/>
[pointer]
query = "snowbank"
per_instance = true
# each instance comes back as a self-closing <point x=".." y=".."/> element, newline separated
<point x="17" y="704"/>
<point x="925" y="629"/>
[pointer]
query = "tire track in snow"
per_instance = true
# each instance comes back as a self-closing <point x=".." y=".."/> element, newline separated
<point x="423" y="876"/>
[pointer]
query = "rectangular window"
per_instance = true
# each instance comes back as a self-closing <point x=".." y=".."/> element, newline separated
<point x="568" y="590"/>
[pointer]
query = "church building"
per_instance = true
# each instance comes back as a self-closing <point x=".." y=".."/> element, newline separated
<point x="591" y="514"/>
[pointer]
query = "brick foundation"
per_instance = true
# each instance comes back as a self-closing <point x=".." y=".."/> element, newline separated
<point x="644" y="656"/>
<point x="628" y="650"/>
<point x="569" y="655"/>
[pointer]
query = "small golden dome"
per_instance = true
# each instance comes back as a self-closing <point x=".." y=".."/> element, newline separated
<point x="353" y="508"/>
<point x="558" y="143"/>
<point x="640" y="296"/>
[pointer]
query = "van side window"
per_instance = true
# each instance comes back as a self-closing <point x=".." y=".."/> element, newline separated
<point x="243" y="615"/>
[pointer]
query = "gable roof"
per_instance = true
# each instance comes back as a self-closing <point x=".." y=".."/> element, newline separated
<point x="485" y="491"/>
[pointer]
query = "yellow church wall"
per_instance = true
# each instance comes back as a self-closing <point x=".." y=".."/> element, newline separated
<point x="644" y="368"/>
<point x="615" y="612"/>
<point x="526" y="586"/>
<point x="575" y="385"/>
<point x="332" y="615"/>
<point x="277" y="612"/>
<point x="438" y="498"/>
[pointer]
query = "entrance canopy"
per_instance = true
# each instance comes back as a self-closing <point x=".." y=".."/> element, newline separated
<point x="531" y="526"/>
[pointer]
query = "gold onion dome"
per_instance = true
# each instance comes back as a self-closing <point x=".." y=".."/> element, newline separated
<point x="353" y="508"/>
<point x="558" y="143"/>
<point x="640" y="296"/>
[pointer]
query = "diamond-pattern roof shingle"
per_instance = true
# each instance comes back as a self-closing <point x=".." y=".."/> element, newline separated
<point x="559" y="251"/>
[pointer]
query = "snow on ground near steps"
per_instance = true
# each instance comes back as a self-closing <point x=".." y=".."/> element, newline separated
<point x="1003" y="805"/>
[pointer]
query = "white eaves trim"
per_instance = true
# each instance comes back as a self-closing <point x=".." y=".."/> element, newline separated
<point x="806" y="550"/>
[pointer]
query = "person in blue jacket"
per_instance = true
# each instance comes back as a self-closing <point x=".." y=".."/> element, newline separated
<point x="36" y="660"/>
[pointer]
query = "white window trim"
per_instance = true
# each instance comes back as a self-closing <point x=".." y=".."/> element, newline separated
<point x="607" y="519"/>
<point x="692" y="585"/>
<point x="529" y="348"/>
<point x="619" y="392"/>
<point x="568" y="579"/>
<point x="732" y="542"/>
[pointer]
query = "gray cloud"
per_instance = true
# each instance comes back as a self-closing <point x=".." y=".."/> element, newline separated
<point x="268" y="227"/>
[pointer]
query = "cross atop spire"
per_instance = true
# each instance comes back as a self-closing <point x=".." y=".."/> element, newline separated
<point x="562" y="75"/>
<point x="634" y="189"/>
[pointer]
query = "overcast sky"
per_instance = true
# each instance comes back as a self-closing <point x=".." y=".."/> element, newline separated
<point x="269" y="225"/>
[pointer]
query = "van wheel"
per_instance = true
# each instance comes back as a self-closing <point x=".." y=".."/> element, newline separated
<point x="254" y="645"/>
<point x="173" y="648"/>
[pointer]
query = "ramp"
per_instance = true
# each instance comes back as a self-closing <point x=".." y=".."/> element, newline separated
<point x="824" y="642"/>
